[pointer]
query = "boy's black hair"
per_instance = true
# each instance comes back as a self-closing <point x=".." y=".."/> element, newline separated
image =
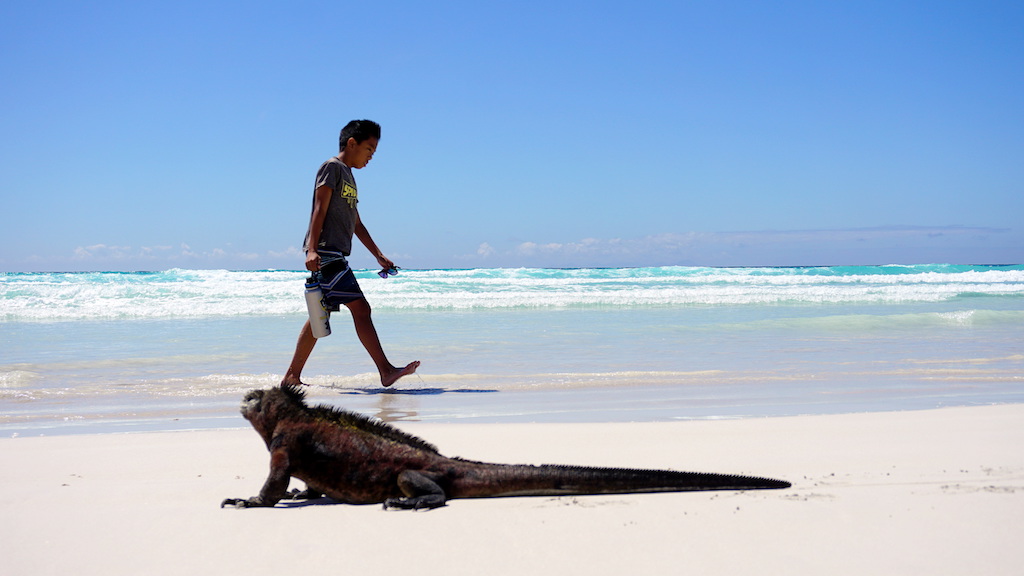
<point x="361" y="130"/>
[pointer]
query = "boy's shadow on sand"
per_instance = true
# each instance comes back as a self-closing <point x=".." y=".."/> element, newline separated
<point x="396" y="404"/>
<point x="411" y="391"/>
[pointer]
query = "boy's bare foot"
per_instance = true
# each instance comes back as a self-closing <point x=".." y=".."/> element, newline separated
<point x="396" y="373"/>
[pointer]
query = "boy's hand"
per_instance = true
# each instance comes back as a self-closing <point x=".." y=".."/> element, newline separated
<point x="312" y="261"/>
<point x="385" y="262"/>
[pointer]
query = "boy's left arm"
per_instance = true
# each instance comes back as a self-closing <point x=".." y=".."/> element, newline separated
<point x="364" y="236"/>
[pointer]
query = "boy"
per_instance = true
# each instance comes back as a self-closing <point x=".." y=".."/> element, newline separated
<point x="332" y="223"/>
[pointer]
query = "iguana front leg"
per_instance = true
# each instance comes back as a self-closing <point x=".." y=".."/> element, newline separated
<point x="274" y="489"/>
<point x="421" y="492"/>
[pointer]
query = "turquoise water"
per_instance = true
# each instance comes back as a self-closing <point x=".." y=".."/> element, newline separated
<point x="177" y="349"/>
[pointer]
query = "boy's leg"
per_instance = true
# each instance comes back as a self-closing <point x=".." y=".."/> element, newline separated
<point x="367" y="333"/>
<point x="302" y="350"/>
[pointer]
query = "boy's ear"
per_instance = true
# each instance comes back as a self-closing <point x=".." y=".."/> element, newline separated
<point x="351" y="142"/>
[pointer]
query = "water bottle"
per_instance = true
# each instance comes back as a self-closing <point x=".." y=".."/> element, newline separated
<point x="319" y="316"/>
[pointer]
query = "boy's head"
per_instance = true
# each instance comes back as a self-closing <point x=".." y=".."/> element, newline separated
<point x="360" y="131"/>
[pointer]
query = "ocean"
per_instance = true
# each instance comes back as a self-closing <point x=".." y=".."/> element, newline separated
<point x="119" y="352"/>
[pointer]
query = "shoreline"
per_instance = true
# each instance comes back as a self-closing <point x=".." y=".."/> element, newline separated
<point x="924" y="491"/>
<point x="431" y="401"/>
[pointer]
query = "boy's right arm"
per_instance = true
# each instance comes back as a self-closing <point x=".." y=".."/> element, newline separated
<point x="321" y="200"/>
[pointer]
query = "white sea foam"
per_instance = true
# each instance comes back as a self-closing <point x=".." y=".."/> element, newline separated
<point x="218" y="293"/>
<point x="13" y="379"/>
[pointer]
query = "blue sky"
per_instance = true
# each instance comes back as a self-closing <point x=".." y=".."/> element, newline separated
<point x="147" y="136"/>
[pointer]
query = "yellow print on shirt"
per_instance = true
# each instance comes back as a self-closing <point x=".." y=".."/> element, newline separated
<point x="348" y="192"/>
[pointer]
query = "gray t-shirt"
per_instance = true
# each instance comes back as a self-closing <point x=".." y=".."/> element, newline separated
<point x="340" y="222"/>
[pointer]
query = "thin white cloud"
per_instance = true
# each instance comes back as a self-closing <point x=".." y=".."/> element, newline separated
<point x="742" y="248"/>
<point x="291" y="252"/>
<point x="878" y="245"/>
<point x="485" y="250"/>
<point x="109" y="257"/>
<point x="102" y="251"/>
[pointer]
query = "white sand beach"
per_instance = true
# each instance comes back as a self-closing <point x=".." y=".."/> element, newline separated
<point x="925" y="492"/>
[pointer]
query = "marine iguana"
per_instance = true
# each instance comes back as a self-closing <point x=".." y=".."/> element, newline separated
<point x="354" y="459"/>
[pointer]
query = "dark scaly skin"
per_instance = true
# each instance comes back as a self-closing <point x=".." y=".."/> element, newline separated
<point x="357" y="460"/>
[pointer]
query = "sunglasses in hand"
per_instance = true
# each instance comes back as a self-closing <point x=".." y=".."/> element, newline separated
<point x="393" y="271"/>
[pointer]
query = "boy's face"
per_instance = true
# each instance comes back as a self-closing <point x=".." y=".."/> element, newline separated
<point x="358" y="154"/>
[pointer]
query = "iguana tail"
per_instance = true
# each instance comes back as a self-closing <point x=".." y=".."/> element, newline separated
<point x="554" y="480"/>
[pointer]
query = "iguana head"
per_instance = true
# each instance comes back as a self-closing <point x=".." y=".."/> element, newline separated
<point x="253" y="410"/>
<point x="252" y="404"/>
<point x="263" y="408"/>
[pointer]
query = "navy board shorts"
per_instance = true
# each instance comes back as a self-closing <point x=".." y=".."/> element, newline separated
<point x="338" y="283"/>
